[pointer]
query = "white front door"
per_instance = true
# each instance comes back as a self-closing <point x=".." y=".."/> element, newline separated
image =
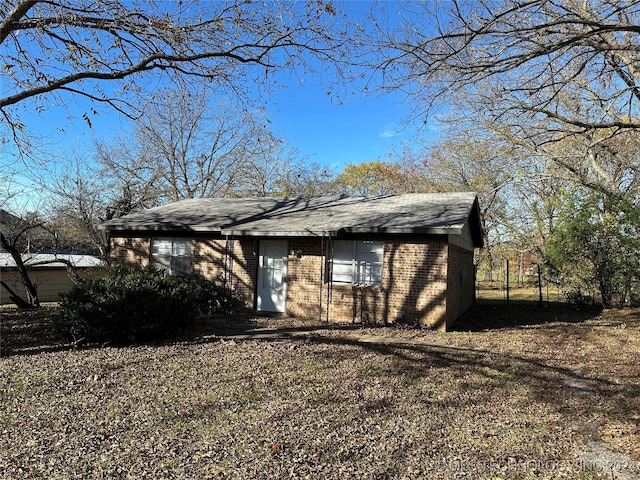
<point x="272" y="276"/>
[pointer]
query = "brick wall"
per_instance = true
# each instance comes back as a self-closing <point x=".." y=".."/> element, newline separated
<point x="130" y="250"/>
<point x="358" y="304"/>
<point x="208" y="257"/>
<point x="460" y="287"/>
<point x="413" y="289"/>
<point x="428" y="283"/>
<point x="415" y="277"/>
<point x="305" y="273"/>
<point x="244" y="269"/>
<point x="232" y="261"/>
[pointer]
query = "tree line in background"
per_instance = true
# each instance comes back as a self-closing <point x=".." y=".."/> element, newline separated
<point x="537" y="104"/>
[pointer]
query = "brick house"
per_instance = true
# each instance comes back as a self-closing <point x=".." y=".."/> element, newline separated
<point x="397" y="258"/>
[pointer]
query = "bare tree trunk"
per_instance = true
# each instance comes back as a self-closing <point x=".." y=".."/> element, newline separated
<point x="32" y="300"/>
<point x="15" y="298"/>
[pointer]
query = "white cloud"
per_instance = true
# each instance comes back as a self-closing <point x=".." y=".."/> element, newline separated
<point x="388" y="133"/>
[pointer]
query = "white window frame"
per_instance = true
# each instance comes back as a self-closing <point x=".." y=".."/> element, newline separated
<point x="357" y="262"/>
<point x="173" y="254"/>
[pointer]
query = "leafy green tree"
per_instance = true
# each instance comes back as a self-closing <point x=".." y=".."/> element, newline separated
<point x="596" y="245"/>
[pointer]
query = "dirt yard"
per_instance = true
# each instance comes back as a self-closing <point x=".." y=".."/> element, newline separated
<point x="514" y="392"/>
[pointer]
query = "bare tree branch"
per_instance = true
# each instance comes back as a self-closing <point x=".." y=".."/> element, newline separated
<point x="10" y="22"/>
<point x="51" y="46"/>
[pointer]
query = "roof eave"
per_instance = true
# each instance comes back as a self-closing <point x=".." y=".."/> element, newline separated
<point x="476" y="217"/>
<point x="158" y="227"/>
<point x="267" y="233"/>
<point x="445" y="230"/>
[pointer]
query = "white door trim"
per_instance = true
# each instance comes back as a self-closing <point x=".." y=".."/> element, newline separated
<point x="271" y="288"/>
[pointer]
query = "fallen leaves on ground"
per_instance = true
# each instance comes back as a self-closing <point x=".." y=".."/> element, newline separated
<point x="517" y="402"/>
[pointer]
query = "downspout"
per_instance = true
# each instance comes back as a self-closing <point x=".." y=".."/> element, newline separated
<point x="329" y="274"/>
<point x="322" y="262"/>
<point x="232" y="248"/>
<point x="228" y="262"/>
<point x="225" y="261"/>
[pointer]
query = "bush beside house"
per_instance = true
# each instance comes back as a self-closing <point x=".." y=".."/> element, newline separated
<point x="130" y="304"/>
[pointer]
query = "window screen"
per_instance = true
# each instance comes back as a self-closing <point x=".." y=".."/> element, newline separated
<point x="357" y="262"/>
<point x="173" y="254"/>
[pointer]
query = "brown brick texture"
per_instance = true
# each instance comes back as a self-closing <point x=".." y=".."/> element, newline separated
<point x="130" y="250"/>
<point x="429" y="283"/>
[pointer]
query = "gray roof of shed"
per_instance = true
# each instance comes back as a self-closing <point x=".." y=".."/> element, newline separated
<point x="48" y="260"/>
<point x="438" y="213"/>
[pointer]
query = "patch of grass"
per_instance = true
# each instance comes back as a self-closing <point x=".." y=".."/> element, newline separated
<point x="497" y="291"/>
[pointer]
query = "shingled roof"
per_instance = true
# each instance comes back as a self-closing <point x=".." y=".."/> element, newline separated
<point x="441" y="213"/>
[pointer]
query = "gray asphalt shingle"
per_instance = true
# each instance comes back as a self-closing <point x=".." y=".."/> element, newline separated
<point x="436" y="213"/>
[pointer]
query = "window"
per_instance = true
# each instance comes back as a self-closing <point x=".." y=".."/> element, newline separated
<point x="357" y="262"/>
<point x="173" y="254"/>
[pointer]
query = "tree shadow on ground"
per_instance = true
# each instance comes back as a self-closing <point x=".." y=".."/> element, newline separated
<point x="481" y="367"/>
<point x="28" y="332"/>
<point x="551" y="370"/>
<point x="34" y="331"/>
<point x="494" y="315"/>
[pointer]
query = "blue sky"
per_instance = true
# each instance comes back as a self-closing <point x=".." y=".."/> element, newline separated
<point x="358" y="129"/>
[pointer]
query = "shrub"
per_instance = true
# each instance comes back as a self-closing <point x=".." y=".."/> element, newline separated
<point x="129" y="304"/>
